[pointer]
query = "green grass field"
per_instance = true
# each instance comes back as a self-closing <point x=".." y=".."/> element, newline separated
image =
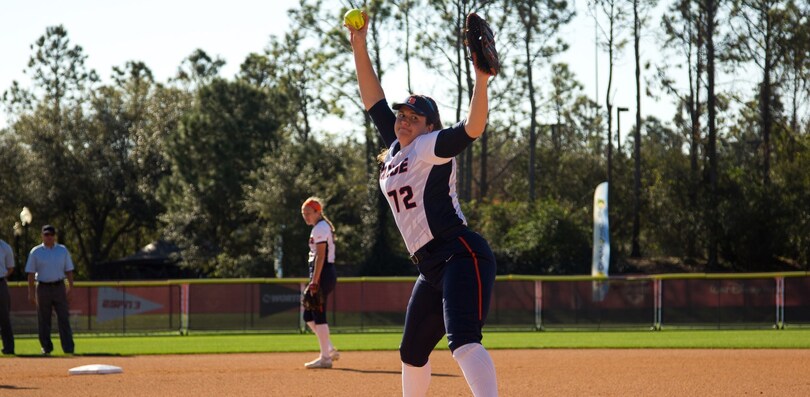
<point x="266" y="343"/>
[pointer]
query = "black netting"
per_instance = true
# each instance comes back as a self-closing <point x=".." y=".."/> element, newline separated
<point x="598" y="304"/>
<point x="797" y="300"/>
<point x="719" y="303"/>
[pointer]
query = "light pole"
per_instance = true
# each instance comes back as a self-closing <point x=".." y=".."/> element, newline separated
<point x="25" y="219"/>
<point x="619" y="111"/>
<point x="18" y="231"/>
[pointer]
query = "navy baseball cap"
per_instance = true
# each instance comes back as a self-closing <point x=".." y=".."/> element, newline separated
<point x="418" y="103"/>
<point x="48" y="229"/>
<point x="422" y="105"/>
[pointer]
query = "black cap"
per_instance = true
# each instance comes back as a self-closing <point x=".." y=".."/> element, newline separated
<point x="422" y="105"/>
<point x="48" y="229"/>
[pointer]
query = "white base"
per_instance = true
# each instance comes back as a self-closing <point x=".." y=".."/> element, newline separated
<point x="95" y="369"/>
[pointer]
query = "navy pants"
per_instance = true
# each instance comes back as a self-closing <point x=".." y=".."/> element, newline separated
<point x="451" y="296"/>
<point x="326" y="284"/>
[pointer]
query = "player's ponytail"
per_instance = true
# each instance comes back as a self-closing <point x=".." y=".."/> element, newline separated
<point x="331" y="226"/>
<point x="434" y="118"/>
<point x="381" y="157"/>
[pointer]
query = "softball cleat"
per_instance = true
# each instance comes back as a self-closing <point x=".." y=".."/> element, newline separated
<point x="321" y="362"/>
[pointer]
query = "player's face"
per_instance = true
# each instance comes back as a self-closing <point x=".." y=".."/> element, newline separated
<point x="409" y="125"/>
<point x="309" y="214"/>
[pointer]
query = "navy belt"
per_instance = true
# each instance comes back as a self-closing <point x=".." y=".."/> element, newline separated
<point x="424" y="251"/>
<point x="62" y="281"/>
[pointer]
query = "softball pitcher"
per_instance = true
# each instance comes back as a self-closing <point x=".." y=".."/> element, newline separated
<point x="322" y="278"/>
<point x="456" y="266"/>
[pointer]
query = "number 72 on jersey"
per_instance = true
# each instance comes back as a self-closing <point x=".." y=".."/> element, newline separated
<point x="403" y="194"/>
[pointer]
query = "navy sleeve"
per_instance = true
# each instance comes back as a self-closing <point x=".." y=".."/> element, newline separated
<point x="452" y="141"/>
<point x="384" y="118"/>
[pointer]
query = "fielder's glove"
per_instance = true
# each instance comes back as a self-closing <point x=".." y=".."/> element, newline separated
<point x="312" y="301"/>
<point x="479" y="38"/>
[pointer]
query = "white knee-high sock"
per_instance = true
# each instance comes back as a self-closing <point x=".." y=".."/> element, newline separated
<point x="478" y="369"/>
<point x="415" y="380"/>
<point x="329" y="345"/>
<point x="323" y="332"/>
<point x="319" y="333"/>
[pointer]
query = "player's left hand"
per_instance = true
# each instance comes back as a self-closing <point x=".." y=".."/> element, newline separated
<point x="312" y="301"/>
<point x="480" y="39"/>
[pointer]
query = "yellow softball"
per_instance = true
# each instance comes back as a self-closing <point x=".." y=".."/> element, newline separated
<point x="354" y="18"/>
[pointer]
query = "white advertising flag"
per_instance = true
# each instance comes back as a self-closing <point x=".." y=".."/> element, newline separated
<point x="601" y="242"/>
<point x="601" y="232"/>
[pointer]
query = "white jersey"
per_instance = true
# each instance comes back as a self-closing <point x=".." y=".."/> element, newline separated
<point x="321" y="233"/>
<point x="421" y="189"/>
<point x="419" y="185"/>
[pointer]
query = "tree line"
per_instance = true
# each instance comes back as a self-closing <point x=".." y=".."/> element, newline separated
<point x="219" y="165"/>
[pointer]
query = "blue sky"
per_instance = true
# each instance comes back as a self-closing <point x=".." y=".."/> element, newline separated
<point x="114" y="32"/>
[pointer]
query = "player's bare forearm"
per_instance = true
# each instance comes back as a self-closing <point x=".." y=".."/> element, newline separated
<point x="316" y="277"/>
<point x="320" y="261"/>
<point x="479" y="106"/>
<point x="371" y="91"/>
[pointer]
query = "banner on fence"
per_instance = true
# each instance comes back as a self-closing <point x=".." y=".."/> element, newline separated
<point x="114" y="303"/>
<point x="276" y="298"/>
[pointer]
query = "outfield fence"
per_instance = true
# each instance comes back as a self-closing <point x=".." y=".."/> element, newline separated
<point x="755" y="300"/>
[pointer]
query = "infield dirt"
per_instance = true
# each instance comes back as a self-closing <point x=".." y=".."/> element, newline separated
<point x="598" y="372"/>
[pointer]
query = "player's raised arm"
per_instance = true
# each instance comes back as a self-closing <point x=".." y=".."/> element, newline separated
<point x="371" y="91"/>
<point x="480" y="39"/>
<point x="479" y="106"/>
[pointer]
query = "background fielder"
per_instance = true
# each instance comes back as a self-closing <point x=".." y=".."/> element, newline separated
<point x="322" y="278"/>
